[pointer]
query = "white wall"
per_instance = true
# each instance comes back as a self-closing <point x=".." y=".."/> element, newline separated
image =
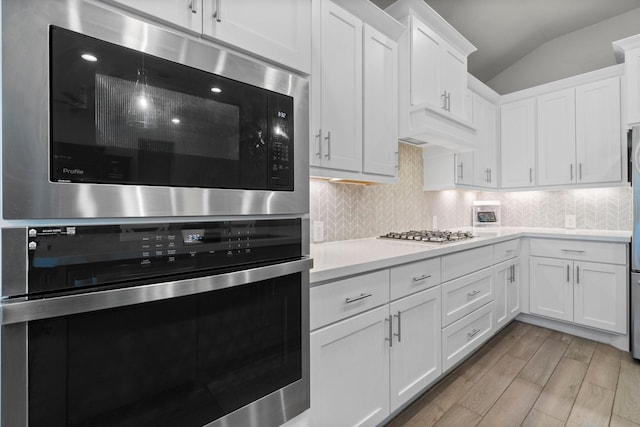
<point x="575" y="53"/>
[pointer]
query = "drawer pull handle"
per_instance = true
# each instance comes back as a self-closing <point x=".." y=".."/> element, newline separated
<point x="473" y="333"/>
<point x="423" y="277"/>
<point x="473" y="294"/>
<point x="510" y="251"/>
<point x="399" y="317"/>
<point x="577" y="251"/>
<point x="358" y="298"/>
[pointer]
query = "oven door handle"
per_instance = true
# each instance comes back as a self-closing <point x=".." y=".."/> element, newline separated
<point x="25" y="311"/>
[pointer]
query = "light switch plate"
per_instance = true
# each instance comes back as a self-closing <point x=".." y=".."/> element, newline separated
<point x="570" y="221"/>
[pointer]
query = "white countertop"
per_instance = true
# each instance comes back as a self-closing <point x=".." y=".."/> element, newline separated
<point x="334" y="260"/>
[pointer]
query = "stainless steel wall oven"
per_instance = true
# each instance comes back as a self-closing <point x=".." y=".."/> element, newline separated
<point x="178" y="324"/>
<point x="109" y="116"/>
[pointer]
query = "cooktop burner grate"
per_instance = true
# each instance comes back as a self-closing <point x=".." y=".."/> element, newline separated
<point x="429" y="236"/>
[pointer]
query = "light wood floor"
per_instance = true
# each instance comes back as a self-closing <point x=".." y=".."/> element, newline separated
<point x="533" y="376"/>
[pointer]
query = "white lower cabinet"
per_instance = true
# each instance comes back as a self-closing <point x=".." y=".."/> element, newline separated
<point x="462" y="337"/>
<point x="577" y="289"/>
<point x="350" y="371"/>
<point x="415" y="352"/>
<point x="507" y="291"/>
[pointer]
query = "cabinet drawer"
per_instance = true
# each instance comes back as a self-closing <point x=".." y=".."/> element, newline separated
<point x="506" y="250"/>
<point x="344" y="298"/>
<point x="462" y="337"/>
<point x="611" y="253"/>
<point x="465" y="294"/>
<point x="465" y="262"/>
<point x="414" y="277"/>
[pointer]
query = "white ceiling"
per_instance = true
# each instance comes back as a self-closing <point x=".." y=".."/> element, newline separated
<point x="504" y="31"/>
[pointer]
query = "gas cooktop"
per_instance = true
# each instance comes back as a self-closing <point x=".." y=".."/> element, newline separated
<point x="429" y="236"/>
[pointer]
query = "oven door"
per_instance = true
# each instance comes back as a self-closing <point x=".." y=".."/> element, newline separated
<point x="115" y="117"/>
<point x="222" y="350"/>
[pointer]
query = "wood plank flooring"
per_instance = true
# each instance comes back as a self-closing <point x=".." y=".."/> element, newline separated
<point x="531" y="376"/>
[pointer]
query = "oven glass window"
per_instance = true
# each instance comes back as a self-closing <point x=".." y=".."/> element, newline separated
<point x="119" y="116"/>
<point x="180" y="362"/>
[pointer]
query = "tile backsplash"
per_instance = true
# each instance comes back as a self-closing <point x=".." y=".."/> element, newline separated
<point x="355" y="211"/>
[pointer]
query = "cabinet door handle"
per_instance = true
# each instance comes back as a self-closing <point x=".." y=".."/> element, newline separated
<point x="580" y="171"/>
<point x="358" y="298"/>
<point x="194" y="6"/>
<point x="421" y="278"/>
<point x="449" y="102"/>
<point x="530" y="175"/>
<point x="577" y="274"/>
<point x="461" y="171"/>
<point x="328" y="139"/>
<point x="490" y="176"/>
<point x="390" y="339"/>
<point x="567" y="273"/>
<point x="513" y="273"/>
<point x="571" y="172"/>
<point x="473" y="294"/>
<point x="399" y="317"/>
<point x="218" y="13"/>
<point x="444" y="100"/>
<point x="473" y="333"/>
<point x="577" y="251"/>
<point x="319" y="136"/>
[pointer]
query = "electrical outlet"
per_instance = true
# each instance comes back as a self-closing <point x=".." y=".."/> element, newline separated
<point x="570" y="221"/>
<point x="434" y="222"/>
<point x="318" y="231"/>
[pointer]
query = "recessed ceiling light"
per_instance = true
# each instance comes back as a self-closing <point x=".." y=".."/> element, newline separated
<point x="89" y="57"/>
<point x="216" y="90"/>
<point x="175" y="120"/>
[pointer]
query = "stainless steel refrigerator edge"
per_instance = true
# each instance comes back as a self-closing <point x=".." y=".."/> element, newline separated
<point x="28" y="192"/>
<point x="634" y="293"/>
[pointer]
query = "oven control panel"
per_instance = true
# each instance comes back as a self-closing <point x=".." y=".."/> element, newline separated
<point x="72" y="257"/>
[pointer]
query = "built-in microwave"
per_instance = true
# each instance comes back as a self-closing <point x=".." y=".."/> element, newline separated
<point x="106" y="115"/>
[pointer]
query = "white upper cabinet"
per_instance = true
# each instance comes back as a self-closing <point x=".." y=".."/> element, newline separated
<point x="380" y="134"/>
<point x="598" y="132"/>
<point x="186" y="14"/>
<point x="276" y="30"/>
<point x="579" y="135"/>
<point x="628" y="51"/>
<point x="518" y="143"/>
<point x="485" y="119"/>
<point x="338" y="75"/>
<point x="354" y="95"/>
<point x="556" y="138"/>
<point x="432" y="78"/>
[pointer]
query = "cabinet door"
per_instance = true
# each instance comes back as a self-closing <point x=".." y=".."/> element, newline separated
<point x="453" y="80"/>
<point x="557" y="138"/>
<point x="632" y="76"/>
<point x="426" y="46"/>
<point x="341" y="89"/>
<point x="517" y="143"/>
<point x="598" y="143"/>
<point x="513" y="290"/>
<point x="600" y="296"/>
<point x="380" y="136"/>
<point x="486" y="121"/>
<point x="279" y="31"/>
<point x="464" y="164"/>
<point x="551" y="288"/>
<point x="416" y="353"/>
<point x="186" y="14"/>
<point x="502" y="281"/>
<point x="350" y="371"/>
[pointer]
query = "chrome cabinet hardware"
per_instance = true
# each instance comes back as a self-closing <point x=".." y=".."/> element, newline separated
<point x="328" y="139"/>
<point x="577" y="274"/>
<point x="194" y="6"/>
<point x="571" y="172"/>
<point x="421" y="278"/>
<point x="530" y="175"/>
<point x="461" y="174"/>
<point x="390" y="339"/>
<point x="399" y="317"/>
<point x="473" y="333"/>
<point x="473" y="294"/>
<point x="319" y="136"/>
<point x="218" y="13"/>
<point x="448" y="102"/>
<point x="397" y="159"/>
<point x="577" y="251"/>
<point x="358" y="298"/>
<point x="567" y="272"/>
<point x="444" y="100"/>
<point x="580" y="171"/>
<point x="513" y="273"/>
